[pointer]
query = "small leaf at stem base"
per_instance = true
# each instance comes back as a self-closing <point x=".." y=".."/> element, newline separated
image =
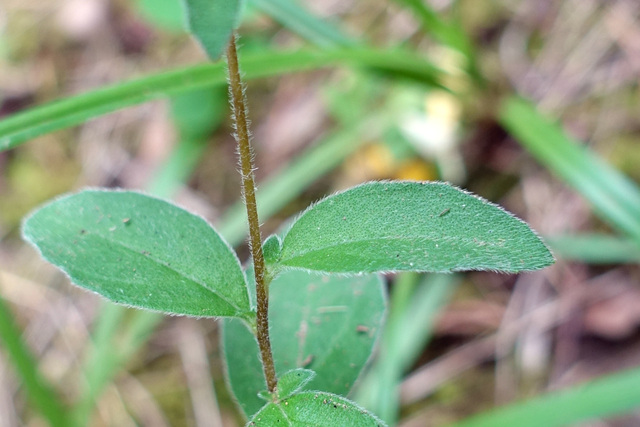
<point x="314" y="408"/>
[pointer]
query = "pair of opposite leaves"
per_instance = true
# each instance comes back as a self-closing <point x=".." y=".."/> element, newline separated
<point x="145" y="252"/>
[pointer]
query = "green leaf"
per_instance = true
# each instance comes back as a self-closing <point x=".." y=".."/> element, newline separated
<point x="615" y="198"/>
<point x="292" y="381"/>
<point x="291" y="14"/>
<point x="271" y="249"/>
<point x="410" y="226"/>
<point x="141" y="251"/>
<point x="325" y="323"/>
<point x="63" y="113"/>
<point x="448" y="33"/>
<point x="316" y="409"/>
<point x="212" y="23"/>
<point x="610" y="395"/>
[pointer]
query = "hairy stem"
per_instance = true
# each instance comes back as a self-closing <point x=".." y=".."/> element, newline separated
<point x="236" y="93"/>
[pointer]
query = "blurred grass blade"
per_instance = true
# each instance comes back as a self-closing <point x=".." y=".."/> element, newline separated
<point x="112" y="349"/>
<point x="595" y="248"/>
<point x="449" y="33"/>
<point x="75" y="110"/>
<point x="291" y="15"/>
<point x="196" y="115"/>
<point x="38" y="390"/>
<point x="415" y="302"/>
<point x="415" y="315"/>
<point x="102" y="361"/>
<point x="607" y="396"/>
<point x="614" y="197"/>
<point x="442" y="30"/>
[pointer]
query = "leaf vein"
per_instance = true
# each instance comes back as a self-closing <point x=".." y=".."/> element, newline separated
<point x="168" y="267"/>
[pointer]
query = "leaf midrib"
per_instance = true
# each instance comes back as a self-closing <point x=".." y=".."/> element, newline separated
<point x="163" y="264"/>
<point x="373" y="240"/>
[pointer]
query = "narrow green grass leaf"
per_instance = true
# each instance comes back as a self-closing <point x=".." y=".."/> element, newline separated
<point x="316" y="409"/>
<point x="614" y="197"/>
<point x="141" y="251"/>
<point x="607" y="396"/>
<point x="212" y="23"/>
<point x="115" y="342"/>
<point x="290" y="14"/>
<point x="436" y="25"/>
<point x="75" y="110"/>
<point x="328" y="324"/>
<point x="39" y="392"/>
<point x="449" y="32"/>
<point x="410" y="226"/>
<point x="595" y="248"/>
<point x="292" y="381"/>
<point x="102" y="361"/>
<point x="414" y="305"/>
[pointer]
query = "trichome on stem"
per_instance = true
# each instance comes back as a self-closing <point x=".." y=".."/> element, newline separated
<point x="236" y="93"/>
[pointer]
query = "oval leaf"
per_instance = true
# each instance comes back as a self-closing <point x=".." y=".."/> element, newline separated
<point x="292" y="381"/>
<point x="313" y="408"/>
<point x="410" y="226"/>
<point x="141" y="251"/>
<point x="329" y="324"/>
<point x="212" y="23"/>
<point x="271" y="249"/>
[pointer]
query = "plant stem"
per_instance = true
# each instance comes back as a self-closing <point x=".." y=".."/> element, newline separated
<point x="236" y="92"/>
